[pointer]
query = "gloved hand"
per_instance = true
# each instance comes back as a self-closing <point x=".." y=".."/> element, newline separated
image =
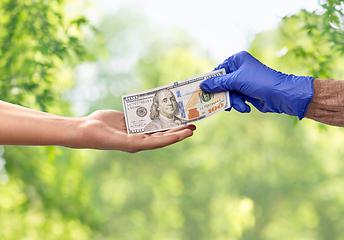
<point x="268" y="90"/>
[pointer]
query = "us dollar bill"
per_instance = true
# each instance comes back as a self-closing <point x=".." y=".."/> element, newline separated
<point x="179" y="103"/>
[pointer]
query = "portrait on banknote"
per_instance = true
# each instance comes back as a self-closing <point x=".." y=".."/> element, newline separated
<point x="179" y="103"/>
<point x="164" y="111"/>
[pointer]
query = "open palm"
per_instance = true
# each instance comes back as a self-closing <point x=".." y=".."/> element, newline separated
<point x="106" y="129"/>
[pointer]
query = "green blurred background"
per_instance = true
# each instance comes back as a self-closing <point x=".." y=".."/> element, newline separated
<point x="241" y="176"/>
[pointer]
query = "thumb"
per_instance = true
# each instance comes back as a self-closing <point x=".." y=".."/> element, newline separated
<point x="218" y="84"/>
<point x="238" y="102"/>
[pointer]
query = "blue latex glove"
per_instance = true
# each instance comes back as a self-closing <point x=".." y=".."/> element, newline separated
<point x="268" y="90"/>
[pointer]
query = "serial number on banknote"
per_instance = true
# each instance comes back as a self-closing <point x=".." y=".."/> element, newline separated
<point x="169" y="106"/>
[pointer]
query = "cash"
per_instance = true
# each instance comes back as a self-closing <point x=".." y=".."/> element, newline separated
<point x="179" y="103"/>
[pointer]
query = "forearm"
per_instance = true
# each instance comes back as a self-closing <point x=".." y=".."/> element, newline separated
<point x="327" y="105"/>
<point x="22" y="126"/>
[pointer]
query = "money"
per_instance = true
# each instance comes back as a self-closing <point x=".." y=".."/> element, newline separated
<point x="179" y="103"/>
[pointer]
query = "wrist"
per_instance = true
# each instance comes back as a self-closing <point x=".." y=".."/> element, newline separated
<point x="73" y="136"/>
<point x="327" y="105"/>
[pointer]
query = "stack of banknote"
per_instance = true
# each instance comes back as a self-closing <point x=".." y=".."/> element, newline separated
<point x="179" y="103"/>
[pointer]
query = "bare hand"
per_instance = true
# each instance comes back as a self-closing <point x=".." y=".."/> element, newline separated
<point x="106" y="130"/>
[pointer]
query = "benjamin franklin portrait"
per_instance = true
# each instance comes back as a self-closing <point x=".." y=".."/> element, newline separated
<point x="163" y="111"/>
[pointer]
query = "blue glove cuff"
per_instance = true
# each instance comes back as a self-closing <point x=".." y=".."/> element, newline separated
<point x="307" y="97"/>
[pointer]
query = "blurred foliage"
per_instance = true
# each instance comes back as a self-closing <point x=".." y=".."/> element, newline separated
<point x="39" y="45"/>
<point x="165" y="59"/>
<point x="306" y="43"/>
<point x="134" y="49"/>
<point x="241" y="176"/>
<point x="101" y="83"/>
<point x="37" y="40"/>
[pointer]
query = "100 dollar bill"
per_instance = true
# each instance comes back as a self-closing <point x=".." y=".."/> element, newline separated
<point x="176" y="104"/>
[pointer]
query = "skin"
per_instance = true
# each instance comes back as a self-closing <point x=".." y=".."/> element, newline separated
<point x="327" y="105"/>
<point x="166" y="107"/>
<point x="103" y="130"/>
